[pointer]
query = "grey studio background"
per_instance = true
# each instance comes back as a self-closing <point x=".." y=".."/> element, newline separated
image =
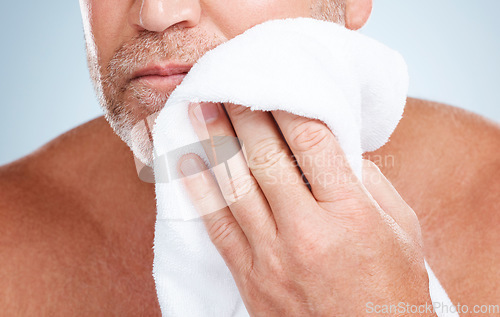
<point x="452" y="48"/>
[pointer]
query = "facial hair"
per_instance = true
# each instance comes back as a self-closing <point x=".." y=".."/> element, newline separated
<point x="128" y="106"/>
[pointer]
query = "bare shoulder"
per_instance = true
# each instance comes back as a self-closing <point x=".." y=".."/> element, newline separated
<point x="48" y="177"/>
<point x="465" y="145"/>
<point x="445" y="157"/>
<point x="58" y="255"/>
<point x="48" y="242"/>
<point x="63" y="170"/>
<point x="437" y="142"/>
<point x="39" y="234"/>
<point x="452" y="121"/>
<point x="445" y="163"/>
<point x="434" y="122"/>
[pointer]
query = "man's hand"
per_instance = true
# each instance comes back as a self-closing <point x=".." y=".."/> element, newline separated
<point x="293" y="251"/>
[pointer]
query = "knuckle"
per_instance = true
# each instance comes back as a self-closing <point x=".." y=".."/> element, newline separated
<point x="312" y="246"/>
<point x="275" y="265"/>
<point x="267" y="153"/>
<point x="221" y="229"/>
<point x="223" y="141"/>
<point x="237" y="110"/>
<point x="224" y="147"/>
<point x="343" y="188"/>
<point x="272" y="260"/>
<point x="239" y="187"/>
<point x="310" y="135"/>
<point x="341" y="182"/>
<point x="356" y="216"/>
<point x="202" y="197"/>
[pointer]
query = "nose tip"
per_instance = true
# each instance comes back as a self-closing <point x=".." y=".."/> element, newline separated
<point x="159" y="15"/>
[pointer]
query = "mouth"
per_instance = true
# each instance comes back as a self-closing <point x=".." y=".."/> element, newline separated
<point x="163" y="78"/>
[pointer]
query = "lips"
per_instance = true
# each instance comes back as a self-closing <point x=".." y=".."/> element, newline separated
<point x="162" y="70"/>
<point x="163" y="78"/>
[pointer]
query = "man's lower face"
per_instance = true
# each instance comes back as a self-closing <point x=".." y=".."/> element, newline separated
<point x="129" y="99"/>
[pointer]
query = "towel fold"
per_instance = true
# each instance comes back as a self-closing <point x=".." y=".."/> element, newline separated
<point x="308" y="67"/>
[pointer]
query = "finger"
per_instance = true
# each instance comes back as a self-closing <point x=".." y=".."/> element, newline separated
<point x="319" y="155"/>
<point x="222" y="227"/>
<point x="389" y="199"/>
<point x="239" y="188"/>
<point x="271" y="163"/>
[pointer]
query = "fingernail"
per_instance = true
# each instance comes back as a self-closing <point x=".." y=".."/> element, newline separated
<point x="207" y="112"/>
<point x="191" y="166"/>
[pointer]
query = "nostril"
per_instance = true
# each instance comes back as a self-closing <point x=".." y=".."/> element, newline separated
<point x="159" y="15"/>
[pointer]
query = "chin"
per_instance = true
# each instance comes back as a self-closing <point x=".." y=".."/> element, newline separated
<point x="131" y="113"/>
<point x="134" y="124"/>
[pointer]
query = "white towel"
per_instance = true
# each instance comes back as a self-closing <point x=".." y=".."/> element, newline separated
<point x="312" y="68"/>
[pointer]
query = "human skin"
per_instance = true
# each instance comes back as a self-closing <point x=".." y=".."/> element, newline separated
<point x="298" y="252"/>
<point x="78" y="224"/>
<point x="227" y="21"/>
<point x="125" y="37"/>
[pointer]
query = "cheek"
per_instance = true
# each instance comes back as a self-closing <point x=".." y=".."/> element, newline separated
<point x="235" y="16"/>
<point x="109" y="25"/>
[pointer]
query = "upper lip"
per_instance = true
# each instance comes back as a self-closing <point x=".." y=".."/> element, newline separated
<point x="162" y="70"/>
